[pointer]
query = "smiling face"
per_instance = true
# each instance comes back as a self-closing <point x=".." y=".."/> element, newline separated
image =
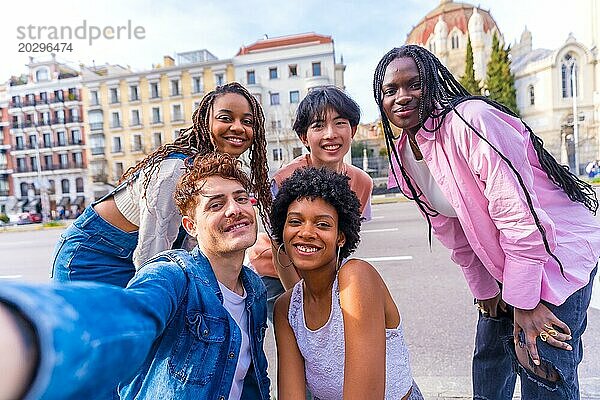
<point x="401" y="93"/>
<point x="329" y="139"/>
<point x="311" y="234"/>
<point x="232" y="124"/>
<point x="224" y="221"/>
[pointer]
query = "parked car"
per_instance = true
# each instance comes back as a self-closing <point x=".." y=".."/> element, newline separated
<point x="29" y="218"/>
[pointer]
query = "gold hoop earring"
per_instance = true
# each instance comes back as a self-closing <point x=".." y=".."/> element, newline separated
<point x="279" y="261"/>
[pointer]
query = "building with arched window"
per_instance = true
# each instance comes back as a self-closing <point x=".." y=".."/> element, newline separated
<point x="551" y="84"/>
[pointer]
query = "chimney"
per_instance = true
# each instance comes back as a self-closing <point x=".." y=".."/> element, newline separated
<point x="168" y="61"/>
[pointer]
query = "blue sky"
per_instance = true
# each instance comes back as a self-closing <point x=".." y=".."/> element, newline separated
<point x="362" y="31"/>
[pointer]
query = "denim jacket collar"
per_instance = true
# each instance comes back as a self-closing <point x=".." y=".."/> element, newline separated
<point x="208" y="277"/>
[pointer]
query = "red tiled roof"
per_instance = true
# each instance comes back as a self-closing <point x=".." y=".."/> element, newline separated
<point x="285" y="41"/>
<point x="455" y="15"/>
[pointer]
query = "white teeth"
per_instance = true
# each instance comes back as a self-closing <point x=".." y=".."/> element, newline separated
<point x="331" y="147"/>
<point x="236" y="140"/>
<point x="307" y="249"/>
<point x="233" y="228"/>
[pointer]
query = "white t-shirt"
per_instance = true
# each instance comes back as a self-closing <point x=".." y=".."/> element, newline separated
<point x="236" y="306"/>
<point x="421" y="174"/>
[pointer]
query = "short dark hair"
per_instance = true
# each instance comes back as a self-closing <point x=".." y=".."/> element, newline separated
<point x="316" y="104"/>
<point x="323" y="183"/>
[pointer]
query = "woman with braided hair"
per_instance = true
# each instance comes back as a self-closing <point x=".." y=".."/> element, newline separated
<point x="139" y="218"/>
<point x="518" y="223"/>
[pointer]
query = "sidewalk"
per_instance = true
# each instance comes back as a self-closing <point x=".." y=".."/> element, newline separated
<point x="459" y="387"/>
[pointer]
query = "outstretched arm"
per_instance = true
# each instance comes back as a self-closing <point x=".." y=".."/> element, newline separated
<point x="290" y="364"/>
<point x="85" y="330"/>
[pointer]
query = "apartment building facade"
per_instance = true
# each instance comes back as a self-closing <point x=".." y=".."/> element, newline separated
<point x="279" y="72"/>
<point x="129" y="114"/>
<point x="46" y="141"/>
<point x="5" y="146"/>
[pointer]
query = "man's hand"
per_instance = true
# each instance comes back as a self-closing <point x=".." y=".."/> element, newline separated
<point x="540" y="322"/>
<point x="491" y="306"/>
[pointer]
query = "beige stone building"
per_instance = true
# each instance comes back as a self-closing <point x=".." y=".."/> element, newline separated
<point x="129" y="114"/>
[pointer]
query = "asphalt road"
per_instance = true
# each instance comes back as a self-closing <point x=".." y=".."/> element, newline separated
<point x="435" y="304"/>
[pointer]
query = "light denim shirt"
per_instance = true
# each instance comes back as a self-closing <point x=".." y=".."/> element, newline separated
<point x="165" y="336"/>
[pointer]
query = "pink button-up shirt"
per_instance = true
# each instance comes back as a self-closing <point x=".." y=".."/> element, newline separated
<point x="494" y="236"/>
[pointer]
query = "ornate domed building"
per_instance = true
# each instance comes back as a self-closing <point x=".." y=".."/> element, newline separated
<point x="445" y="30"/>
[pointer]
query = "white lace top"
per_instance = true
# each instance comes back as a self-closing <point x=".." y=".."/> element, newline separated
<point x="323" y="351"/>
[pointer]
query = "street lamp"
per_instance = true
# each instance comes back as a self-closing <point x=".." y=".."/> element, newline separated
<point x="572" y="65"/>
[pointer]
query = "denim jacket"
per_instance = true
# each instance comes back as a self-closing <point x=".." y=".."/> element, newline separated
<point x="165" y="336"/>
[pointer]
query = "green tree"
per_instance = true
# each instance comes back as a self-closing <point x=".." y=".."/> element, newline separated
<point x="468" y="79"/>
<point x="500" y="81"/>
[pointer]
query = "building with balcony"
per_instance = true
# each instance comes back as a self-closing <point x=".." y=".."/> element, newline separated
<point x="5" y="159"/>
<point x="279" y="72"/>
<point x="47" y="139"/>
<point x="129" y="114"/>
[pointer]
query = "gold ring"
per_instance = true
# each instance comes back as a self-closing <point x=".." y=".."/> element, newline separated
<point x="544" y="336"/>
<point x="553" y="332"/>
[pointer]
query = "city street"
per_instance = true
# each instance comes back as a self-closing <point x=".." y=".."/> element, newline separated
<point x="436" y="307"/>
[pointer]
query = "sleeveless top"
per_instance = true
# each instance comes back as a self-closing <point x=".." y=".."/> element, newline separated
<point x="323" y="351"/>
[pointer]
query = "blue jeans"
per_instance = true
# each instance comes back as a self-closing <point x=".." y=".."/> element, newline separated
<point x="495" y="365"/>
<point x="274" y="290"/>
<point x="91" y="249"/>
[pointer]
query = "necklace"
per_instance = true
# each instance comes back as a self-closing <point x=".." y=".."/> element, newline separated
<point x="415" y="148"/>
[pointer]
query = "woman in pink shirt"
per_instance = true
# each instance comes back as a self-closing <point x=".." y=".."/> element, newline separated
<point x="469" y="162"/>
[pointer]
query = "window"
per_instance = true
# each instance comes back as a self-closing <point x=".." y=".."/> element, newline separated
<point x="32" y="141"/>
<point x="293" y="70"/>
<point x="58" y="95"/>
<point x="51" y="186"/>
<point x="154" y="92"/>
<point x="455" y="43"/>
<point x="569" y="72"/>
<point x="115" y="121"/>
<point x="219" y="79"/>
<point x="175" y="87"/>
<point x="135" y="117"/>
<point x="47" y="139"/>
<point x="133" y="93"/>
<point x="277" y="154"/>
<point x="176" y="133"/>
<point x="78" y="160"/>
<point x="96" y="144"/>
<point x="34" y="163"/>
<point x="96" y="120"/>
<point x="59" y="117"/>
<point x="21" y="165"/>
<point x="63" y="160"/>
<point x="62" y="138"/>
<point x="258" y="97"/>
<point x="46" y="118"/>
<point x="250" y="78"/>
<point x="157" y="139"/>
<point x="41" y="75"/>
<point x="316" y="69"/>
<point x="297" y="152"/>
<point x="79" y="185"/>
<point x="118" y="170"/>
<point x="176" y="114"/>
<point x="94" y="101"/>
<point x="274" y="99"/>
<point x="76" y="137"/>
<point x="137" y="144"/>
<point x="48" y="162"/>
<point x="273" y="73"/>
<point x="64" y="185"/>
<point x="156" y="115"/>
<point x="276" y="124"/>
<point x="116" y="145"/>
<point x="198" y="84"/>
<point x="294" y="96"/>
<point x="114" y="95"/>
<point x="24" y="189"/>
<point x="20" y="145"/>
<point x="43" y="97"/>
<point x="531" y="91"/>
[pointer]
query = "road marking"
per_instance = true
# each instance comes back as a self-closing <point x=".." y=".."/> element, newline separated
<point x="393" y="258"/>
<point x="379" y="230"/>
<point x="10" y="276"/>
<point x="381" y="217"/>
